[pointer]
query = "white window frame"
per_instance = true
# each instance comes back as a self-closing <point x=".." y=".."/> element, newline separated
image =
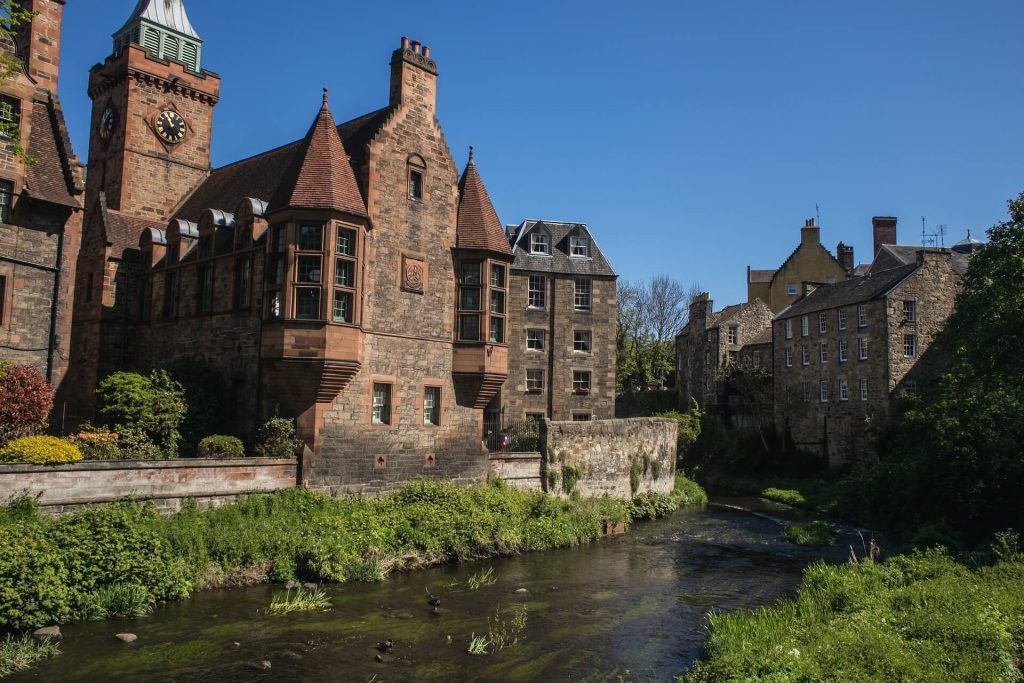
<point x="844" y="390"/>
<point x="579" y="246"/>
<point x="804" y="326"/>
<point x="823" y="352"/>
<point x="534" y="384"/>
<point x="582" y="338"/>
<point x="382" y="402"/>
<point x="789" y="328"/>
<point x="755" y="358"/>
<point x="862" y="316"/>
<point x="805" y="355"/>
<point x="862" y="348"/>
<point x="841" y="318"/>
<point x="583" y="294"/>
<point x="540" y="243"/>
<point x="538" y="336"/>
<point x="864" y="389"/>
<point x="822" y="325"/>
<point x="910" y="311"/>
<point x="910" y="346"/>
<point x="581" y="381"/>
<point x="535" y="294"/>
<point x="789" y="356"/>
<point x="734" y="334"/>
<point x="791" y="289"/>
<point x="823" y="391"/>
<point x="844" y="351"/>
<point x="432" y="406"/>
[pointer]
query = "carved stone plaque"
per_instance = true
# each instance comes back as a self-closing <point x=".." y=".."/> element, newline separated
<point x="414" y="274"/>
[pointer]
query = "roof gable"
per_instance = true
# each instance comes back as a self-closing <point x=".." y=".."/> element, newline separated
<point x="53" y="176"/>
<point x="478" y="226"/>
<point x="854" y="291"/>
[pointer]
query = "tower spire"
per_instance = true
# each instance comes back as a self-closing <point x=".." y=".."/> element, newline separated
<point x="162" y="27"/>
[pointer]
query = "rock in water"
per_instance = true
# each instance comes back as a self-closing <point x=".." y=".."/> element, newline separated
<point x="522" y="591"/>
<point x="51" y="632"/>
<point x="127" y="637"/>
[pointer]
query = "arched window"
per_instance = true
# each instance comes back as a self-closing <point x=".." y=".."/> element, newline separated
<point x="417" y="171"/>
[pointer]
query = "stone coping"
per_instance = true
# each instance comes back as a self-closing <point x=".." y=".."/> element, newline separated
<point x="514" y="456"/>
<point x="177" y="463"/>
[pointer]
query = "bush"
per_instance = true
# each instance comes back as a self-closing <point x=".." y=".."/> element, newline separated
<point x="219" y="446"/>
<point x="134" y="444"/>
<point x="96" y="444"/>
<point x="810" y="534"/>
<point x="155" y="404"/>
<point x="40" y="450"/>
<point x="276" y="439"/>
<point x="689" y="430"/>
<point x="25" y="401"/>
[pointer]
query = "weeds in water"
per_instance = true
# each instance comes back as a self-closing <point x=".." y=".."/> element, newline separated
<point x="478" y="645"/>
<point x="505" y="630"/>
<point x="812" y="533"/>
<point x="118" y="601"/>
<point x="303" y="600"/>
<point x="481" y="578"/>
<point x="786" y="496"/>
<point x="19" y="654"/>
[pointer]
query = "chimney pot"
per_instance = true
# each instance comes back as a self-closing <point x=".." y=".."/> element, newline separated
<point x="405" y="43"/>
<point x="426" y="50"/>
<point x="416" y="46"/>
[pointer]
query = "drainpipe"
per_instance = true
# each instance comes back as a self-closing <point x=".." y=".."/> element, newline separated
<point x="53" y="306"/>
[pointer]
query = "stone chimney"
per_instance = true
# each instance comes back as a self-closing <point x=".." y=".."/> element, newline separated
<point x="810" y="233"/>
<point x="701" y="308"/>
<point x="413" y="75"/>
<point x="883" y="230"/>
<point x="38" y="41"/>
<point x="844" y="254"/>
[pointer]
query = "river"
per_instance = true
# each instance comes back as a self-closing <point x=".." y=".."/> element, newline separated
<point x="630" y="606"/>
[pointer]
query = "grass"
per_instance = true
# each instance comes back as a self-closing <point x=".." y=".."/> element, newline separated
<point x="21" y="653"/>
<point x="123" y="559"/>
<point x="504" y="630"/>
<point x="811" y="534"/>
<point x="484" y="577"/>
<point x="786" y="496"/>
<point x="303" y="600"/>
<point x="478" y="645"/>
<point x="917" y="617"/>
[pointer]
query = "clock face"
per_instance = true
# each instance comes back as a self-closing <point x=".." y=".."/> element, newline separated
<point x="108" y="121"/>
<point x="171" y="127"/>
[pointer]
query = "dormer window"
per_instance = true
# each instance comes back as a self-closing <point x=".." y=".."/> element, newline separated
<point x="579" y="247"/>
<point x="539" y="243"/>
<point x="417" y="171"/>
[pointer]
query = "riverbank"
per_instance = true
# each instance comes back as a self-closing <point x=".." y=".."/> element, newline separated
<point x="121" y="560"/>
<point x="918" y="617"/>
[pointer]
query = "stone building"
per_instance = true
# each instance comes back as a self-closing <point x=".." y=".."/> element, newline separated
<point x="710" y="342"/>
<point x="351" y="280"/>
<point x="842" y="351"/>
<point x="40" y="202"/>
<point x="563" y="316"/>
<point x="809" y="262"/>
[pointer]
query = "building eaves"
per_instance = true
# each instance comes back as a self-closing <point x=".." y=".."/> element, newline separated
<point x="849" y="292"/>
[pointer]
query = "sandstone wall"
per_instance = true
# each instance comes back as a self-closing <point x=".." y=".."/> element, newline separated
<point x="167" y="484"/>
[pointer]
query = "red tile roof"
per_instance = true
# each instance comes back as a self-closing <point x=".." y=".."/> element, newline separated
<point x="478" y="225"/>
<point x="51" y="177"/>
<point x="321" y="175"/>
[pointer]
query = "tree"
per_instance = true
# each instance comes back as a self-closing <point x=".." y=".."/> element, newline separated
<point x="25" y="401"/>
<point x="154" y="403"/>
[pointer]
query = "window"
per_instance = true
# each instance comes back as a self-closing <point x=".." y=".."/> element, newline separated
<point x="470" y="291"/>
<point x="843" y="351"/>
<point x="582" y="294"/>
<point x="345" y="243"/>
<point x="497" y="276"/>
<point x="823" y="352"/>
<point x="789" y="356"/>
<point x="805" y="355"/>
<point x="862" y="317"/>
<point x="534" y="381"/>
<point x="497" y="334"/>
<point x="862" y="348"/>
<point x="307" y="303"/>
<point x="581" y="340"/>
<point x="539" y="243"/>
<point x="841" y="318"/>
<point x="755" y="359"/>
<point x="791" y="289"/>
<point x="344" y="272"/>
<point x="10" y="114"/>
<point x="909" y="345"/>
<point x="734" y="334"/>
<point x="274" y="305"/>
<point x="581" y="417"/>
<point x="170" y="309"/>
<point x="909" y="311"/>
<point x="432" y="406"/>
<point x="536" y="291"/>
<point x="844" y="391"/>
<point x="581" y="382"/>
<point x="579" y="246"/>
<point x="789" y="329"/>
<point x="243" y="282"/>
<point x="416" y="185"/>
<point x="341" y="309"/>
<point x="204" y="289"/>
<point x="381" y="403"/>
<point x="863" y="390"/>
<point x="344" y="294"/>
<point x="805" y="392"/>
<point x="497" y="308"/>
<point x="823" y="391"/>
<point x="6" y="193"/>
<point x="311" y="237"/>
<point x="536" y="417"/>
<point x="804" y="328"/>
<point x="822" y="327"/>
<point x="308" y="269"/>
<point x="535" y="340"/>
<point x="274" y="271"/>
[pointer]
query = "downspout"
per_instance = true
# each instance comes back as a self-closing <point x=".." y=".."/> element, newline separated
<point x="53" y="306"/>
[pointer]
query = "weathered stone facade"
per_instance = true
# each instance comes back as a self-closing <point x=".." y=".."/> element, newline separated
<point x="565" y="330"/>
<point x="40" y="204"/>
<point x="710" y="342"/>
<point x="843" y="351"/>
<point x="606" y="454"/>
<point x="809" y="262"/>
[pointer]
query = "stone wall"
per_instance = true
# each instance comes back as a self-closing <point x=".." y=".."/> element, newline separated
<point x="166" y="483"/>
<point x="518" y="470"/>
<point x="604" y="452"/>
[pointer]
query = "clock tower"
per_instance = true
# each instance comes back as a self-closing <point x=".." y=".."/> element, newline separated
<point x="152" y="114"/>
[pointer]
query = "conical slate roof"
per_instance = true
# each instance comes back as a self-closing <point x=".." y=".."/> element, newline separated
<point x="478" y="225"/>
<point x="168" y="13"/>
<point x="321" y="175"/>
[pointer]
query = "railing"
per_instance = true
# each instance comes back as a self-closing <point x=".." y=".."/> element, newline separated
<point x="521" y="436"/>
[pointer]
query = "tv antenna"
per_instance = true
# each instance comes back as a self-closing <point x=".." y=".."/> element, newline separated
<point x="933" y="239"/>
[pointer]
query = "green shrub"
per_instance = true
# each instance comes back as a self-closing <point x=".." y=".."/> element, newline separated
<point x="154" y="403"/>
<point x="96" y="444"/>
<point x="40" y="450"/>
<point x="570" y="476"/>
<point x="134" y="444"/>
<point x="34" y="583"/>
<point x="220" y="446"/>
<point x="810" y="534"/>
<point x="689" y="430"/>
<point x="276" y="439"/>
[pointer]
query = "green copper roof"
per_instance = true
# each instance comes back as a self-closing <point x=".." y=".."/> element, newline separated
<point x="166" y="13"/>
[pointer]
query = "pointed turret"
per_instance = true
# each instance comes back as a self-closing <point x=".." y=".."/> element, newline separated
<point x="162" y="28"/>
<point x="478" y="225"/>
<point x="321" y="176"/>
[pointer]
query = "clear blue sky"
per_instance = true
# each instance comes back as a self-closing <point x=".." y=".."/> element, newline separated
<point x="693" y="138"/>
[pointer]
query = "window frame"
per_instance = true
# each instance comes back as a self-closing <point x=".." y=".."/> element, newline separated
<point x="583" y="295"/>
<point x="733" y="335"/>
<point x="535" y="384"/>
<point x="822" y="324"/>
<point x="241" y="296"/>
<point x="844" y="390"/>
<point x="789" y="356"/>
<point x="204" y="288"/>
<point x="863" y="389"/>
<point x="789" y="328"/>
<point x="540" y="243"/>
<point x="805" y="328"/>
<point x="584" y="338"/>
<point x="582" y="382"/>
<point x="416" y="178"/>
<point x="844" y="351"/>
<point x="580" y="416"/>
<point x="862" y="348"/>
<point x="792" y="289"/>
<point x="910" y="346"/>
<point x="386" y="405"/>
<point x="823" y="391"/>
<point x="579" y="246"/>
<point x="805" y="355"/>
<point x="910" y="310"/>
<point x="537" y="294"/>
<point x="862" y="316"/>
<point x="841" y="319"/>
<point x="6" y="199"/>
<point x="432" y="410"/>
<point x="539" y="336"/>
<point x="823" y="352"/>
